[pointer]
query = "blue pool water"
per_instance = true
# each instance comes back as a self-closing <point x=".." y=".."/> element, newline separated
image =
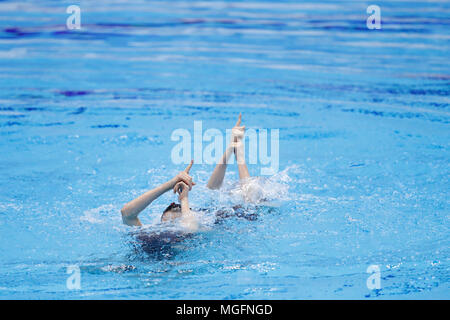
<point x="86" y="119"/>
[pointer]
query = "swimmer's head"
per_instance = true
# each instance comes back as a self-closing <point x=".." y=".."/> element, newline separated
<point x="172" y="212"/>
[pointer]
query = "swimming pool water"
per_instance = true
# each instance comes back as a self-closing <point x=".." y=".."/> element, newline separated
<point x="86" y="118"/>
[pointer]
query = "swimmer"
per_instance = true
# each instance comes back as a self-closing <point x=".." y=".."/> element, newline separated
<point x="182" y="183"/>
<point x="251" y="191"/>
<point x="161" y="242"/>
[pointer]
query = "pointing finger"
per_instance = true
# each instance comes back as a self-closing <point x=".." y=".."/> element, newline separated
<point x="238" y="123"/>
<point x="189" y="167"/>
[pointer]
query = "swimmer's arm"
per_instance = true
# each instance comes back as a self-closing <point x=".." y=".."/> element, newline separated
<point x="183" y="191"/>
<point x="131" y="210"/>
<point x="218" y="174"/>
<point x="184" y="202"/>
<point x="239" y="151"/>
<point x="240" y="159"/>
<point x="188" y="219"/>
<point x="216" y="179"/>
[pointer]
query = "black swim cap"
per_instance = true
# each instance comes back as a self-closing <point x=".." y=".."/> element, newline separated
<point x="172" y="206"/>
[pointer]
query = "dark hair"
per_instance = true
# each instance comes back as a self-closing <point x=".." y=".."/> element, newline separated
<point x="172" y="206"/>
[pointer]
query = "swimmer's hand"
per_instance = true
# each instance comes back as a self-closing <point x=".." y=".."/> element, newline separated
<point x="238" y="131"/>
<point x="182" y="189"/>
<point x="184" y="177"/>
<point x="237" y="135"/>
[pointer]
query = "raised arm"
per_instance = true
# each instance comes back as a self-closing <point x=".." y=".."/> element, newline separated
<point x="216" y="179"/>
<point x="183" y="190"/>
<point x="131" y="210"/>
<point x="188" y="219"/>
<point x="239" y="150"/>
